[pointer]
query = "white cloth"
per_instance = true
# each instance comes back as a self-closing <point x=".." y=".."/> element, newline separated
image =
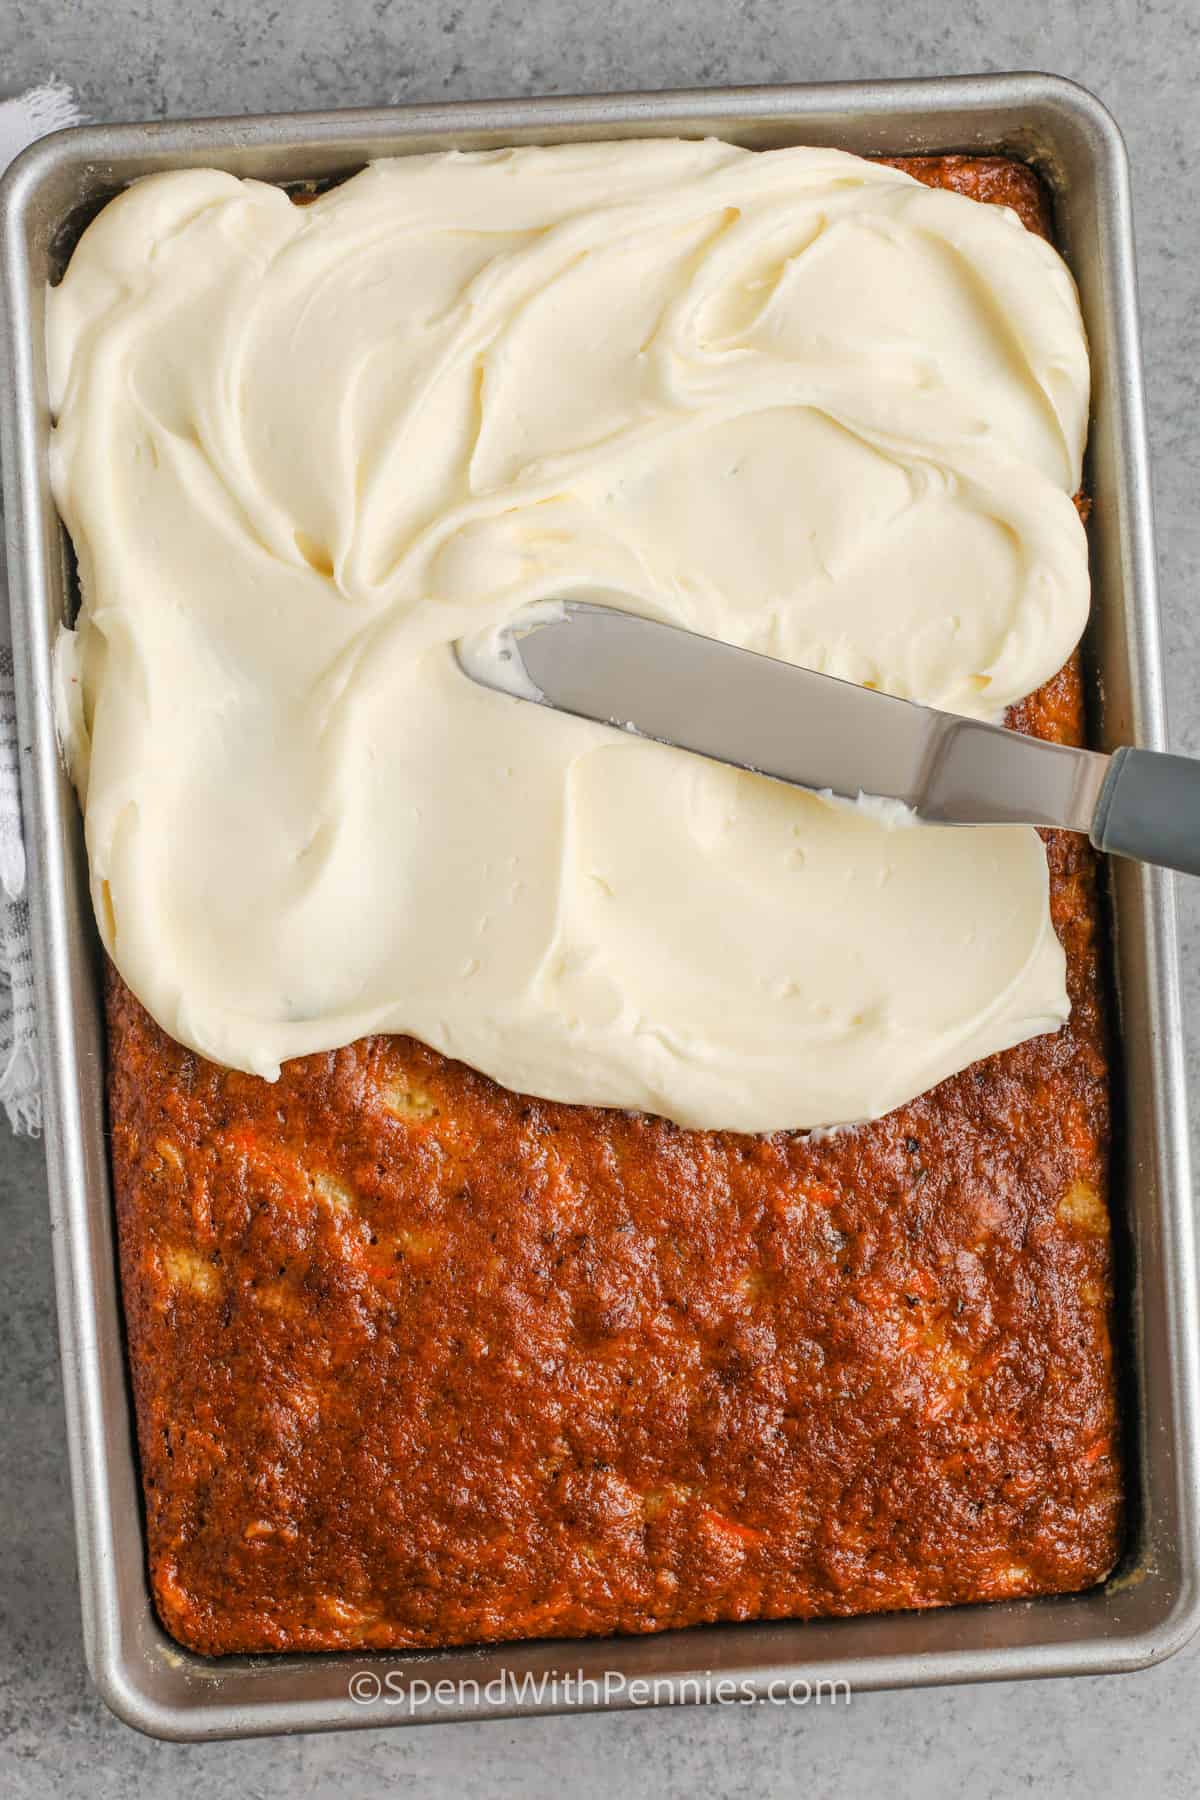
<point x="27" y="117"/>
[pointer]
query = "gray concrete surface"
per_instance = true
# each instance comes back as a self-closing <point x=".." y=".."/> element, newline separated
<point x="148" y="58"/>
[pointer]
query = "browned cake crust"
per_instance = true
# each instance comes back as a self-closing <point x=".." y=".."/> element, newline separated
<point x="418" y="1361"/>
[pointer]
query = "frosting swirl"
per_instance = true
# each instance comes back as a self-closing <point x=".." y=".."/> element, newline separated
<point x="792" y="399"/>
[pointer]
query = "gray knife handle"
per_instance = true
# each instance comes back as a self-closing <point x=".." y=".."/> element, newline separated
<point x="1149" y="808"/>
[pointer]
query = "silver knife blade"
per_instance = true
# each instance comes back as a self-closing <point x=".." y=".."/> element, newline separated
<point x="757" y="713"/>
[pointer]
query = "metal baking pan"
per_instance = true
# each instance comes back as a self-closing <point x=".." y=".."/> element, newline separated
<point x="1150" y="1607"/>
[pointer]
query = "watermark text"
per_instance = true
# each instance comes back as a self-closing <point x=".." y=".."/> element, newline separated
<point x="555" y="1689"/>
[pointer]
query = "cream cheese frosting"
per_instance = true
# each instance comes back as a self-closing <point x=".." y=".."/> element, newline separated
<point x="792" y="399"/>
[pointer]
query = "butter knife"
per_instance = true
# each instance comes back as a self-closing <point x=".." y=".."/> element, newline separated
<point x="818" y="732"/>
